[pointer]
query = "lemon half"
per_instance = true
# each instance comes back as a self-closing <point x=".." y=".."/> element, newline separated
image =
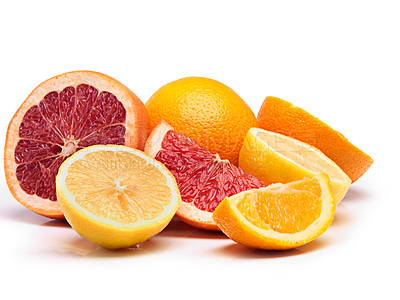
<point x="116" y="196"/>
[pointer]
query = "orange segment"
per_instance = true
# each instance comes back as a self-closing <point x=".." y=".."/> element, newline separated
<point x="116" y="196"/>
<point x="281" y="209"/>
<point x="280" y="216"/>
<point x="282" y="117"/>
<point x="312" y="186"/>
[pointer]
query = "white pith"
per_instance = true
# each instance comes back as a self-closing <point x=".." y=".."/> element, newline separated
<point x="186" y="209"/>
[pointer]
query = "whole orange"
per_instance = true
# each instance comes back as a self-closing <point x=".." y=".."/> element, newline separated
<point x="207" y="111"/>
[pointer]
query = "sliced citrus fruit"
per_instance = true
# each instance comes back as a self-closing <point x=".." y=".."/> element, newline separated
<point x="281" y="116"/>
<point x="62" y="115"/>
<point x="203" y="178"/>
<point x="275" y="158"/>
<point x="116" y="196"/>
<point x="280" y="216"/>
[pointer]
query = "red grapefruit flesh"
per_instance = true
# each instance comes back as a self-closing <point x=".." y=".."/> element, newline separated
<point x="61" y="116"/>
<point x="204" y="179"/>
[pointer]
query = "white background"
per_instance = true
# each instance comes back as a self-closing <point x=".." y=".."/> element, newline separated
<point x="339" y="60"/>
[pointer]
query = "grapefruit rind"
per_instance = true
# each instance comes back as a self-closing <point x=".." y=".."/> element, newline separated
<point x="154" y="141"/>
<point x="137" y="129"/>
<point x="238" y="228"/>
<point x="105" y="232"/>
<point x="186" y="212"/>
<point x="190" y="214"/>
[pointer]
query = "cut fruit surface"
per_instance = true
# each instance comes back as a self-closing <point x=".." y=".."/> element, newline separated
<point x="282" y="117"/>
<point x="204" y="180"/>
<point x="280" y="216"/>
<point x="116" y="196"/>
<point x="275" y="158"/>
<point x="61" y="116"/>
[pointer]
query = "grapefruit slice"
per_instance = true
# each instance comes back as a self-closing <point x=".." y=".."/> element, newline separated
<point x="64" y="114"/>
<point x="116" y="196"/>
<point x="204" y="179"/>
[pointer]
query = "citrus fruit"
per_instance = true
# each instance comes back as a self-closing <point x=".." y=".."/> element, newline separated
<point x="280" y="116"/>
<point x="203" y="178"/>
<point x="62" y="115"/>
<point x="116" y="196"/>
<point x="280" y="216"/>
<point x="275" y="158"/>
<point x="204" y="110"/>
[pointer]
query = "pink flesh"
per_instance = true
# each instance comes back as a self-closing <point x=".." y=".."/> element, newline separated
<point x="202" y="177"/>
<point x="80" y="116"/>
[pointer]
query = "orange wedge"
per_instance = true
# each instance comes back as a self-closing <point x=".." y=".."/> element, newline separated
<point x="116" y="196"/>
<point x="282" y="117"/>
<point x="280" y="216"/>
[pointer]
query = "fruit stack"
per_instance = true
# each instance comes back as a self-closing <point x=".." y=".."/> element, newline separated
<point x="83" y="147"/>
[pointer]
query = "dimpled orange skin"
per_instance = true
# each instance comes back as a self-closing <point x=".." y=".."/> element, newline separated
<point x="282" y="117"/>
<point x="205" y="110"/>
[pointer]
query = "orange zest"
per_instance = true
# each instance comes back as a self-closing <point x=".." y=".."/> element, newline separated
<point x="282" y="117"/>
<point x="205" y="110"/>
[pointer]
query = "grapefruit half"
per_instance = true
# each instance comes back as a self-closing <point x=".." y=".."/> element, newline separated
<point x="203" y="178"/>
<point x="62" y="115"/>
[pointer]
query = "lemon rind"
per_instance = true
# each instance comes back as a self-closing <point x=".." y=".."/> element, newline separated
<point x="254" y="131"/>
<point x="340" y="185"/>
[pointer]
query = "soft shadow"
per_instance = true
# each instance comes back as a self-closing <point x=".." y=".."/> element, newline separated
<point x="73" y="247"/>
<point x="239" y="251"/>
<point x="147" y="247"/>
<point x="21" y="214"/>
<point x="356" y="194"/>
<point x="24" y="215"/>
<point x="318" y="244"/>
<point x="56" y="223"/>
<point x="80" y="247"/>
<point x="177" y="228"/>
<point x="343" y="216"/>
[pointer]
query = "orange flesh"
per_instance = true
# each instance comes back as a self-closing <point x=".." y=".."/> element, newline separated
<point x="284" y="208"/>
<point x="116" y="186"/>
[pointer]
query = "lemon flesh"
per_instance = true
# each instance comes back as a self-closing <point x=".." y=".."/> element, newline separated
<point x="275" y="158"/>
<point x="116" y="196"/>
